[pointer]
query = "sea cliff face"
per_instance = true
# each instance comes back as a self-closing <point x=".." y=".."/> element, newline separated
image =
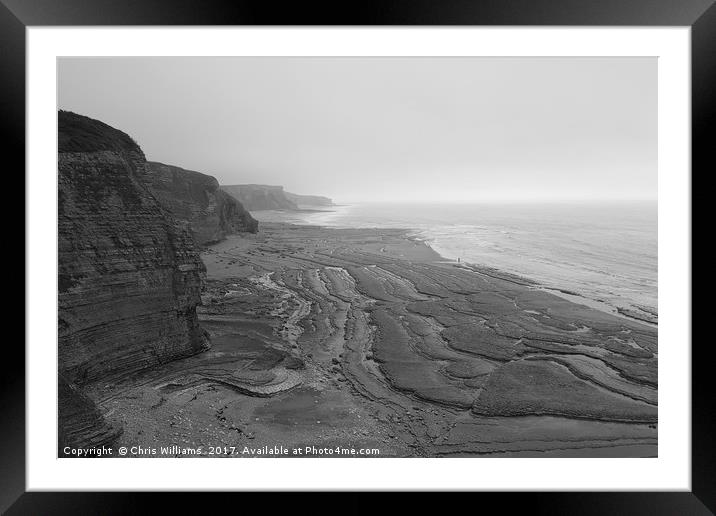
<point x="129" y="274"/>
<point x="260" y="197"/>
<point x="196" y="198"/>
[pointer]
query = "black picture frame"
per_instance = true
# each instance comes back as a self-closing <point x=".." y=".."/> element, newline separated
<point x="17" y="15"/>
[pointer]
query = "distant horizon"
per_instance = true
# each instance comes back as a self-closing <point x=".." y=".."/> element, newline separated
<point x="505" y="200"/>
<point x="492" y="201"/>
<point x="424" y="200"/>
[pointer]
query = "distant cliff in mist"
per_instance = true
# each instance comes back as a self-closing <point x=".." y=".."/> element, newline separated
<point x="268" y="197"/>
<point x="308" y="200"/>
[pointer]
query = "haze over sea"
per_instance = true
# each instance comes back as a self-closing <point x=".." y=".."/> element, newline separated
<point x="606" y="252"/>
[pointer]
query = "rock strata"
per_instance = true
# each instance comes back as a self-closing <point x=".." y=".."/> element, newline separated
<point x="196" y="198"/>
<point x="129" y="274"/>
<point x="81" y="424"/>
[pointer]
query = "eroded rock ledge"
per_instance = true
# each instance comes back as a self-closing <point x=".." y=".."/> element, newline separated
<point x="366" y="338"/>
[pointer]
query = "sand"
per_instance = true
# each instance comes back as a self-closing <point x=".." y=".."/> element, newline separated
<point x="368" y="339"/>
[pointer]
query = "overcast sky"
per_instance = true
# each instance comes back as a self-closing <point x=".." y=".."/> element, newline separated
<point x="387" y="128"/>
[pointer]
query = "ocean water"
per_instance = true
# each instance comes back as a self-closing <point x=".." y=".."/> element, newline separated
<point x="603" y="252"/>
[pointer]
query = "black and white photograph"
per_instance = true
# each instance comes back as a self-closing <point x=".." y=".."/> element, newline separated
<point x="404" y="246"/>
<point x="417" y="257"/>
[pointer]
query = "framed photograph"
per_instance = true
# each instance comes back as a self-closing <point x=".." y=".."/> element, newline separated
<point x="419" y="248"/>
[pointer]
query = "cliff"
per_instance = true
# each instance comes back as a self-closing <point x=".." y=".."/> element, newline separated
<point x="308" y="200"/>
<point x="80" y="423"/>
<point x="196" y="198"/>
<point x="260" y="197"/>
<point x="268" y="197"/>
<point x="128" y="273"/>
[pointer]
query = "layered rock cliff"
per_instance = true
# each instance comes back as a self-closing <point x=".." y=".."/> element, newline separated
<point x="129" y="274"/>
<point x="260" y="197"/>
<point x="196" y="198"/>
<point x="80" y="423"/>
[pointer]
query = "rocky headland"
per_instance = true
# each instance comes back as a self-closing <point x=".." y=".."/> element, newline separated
<point x="309" y="200"/>
<point x="268" y="197"/>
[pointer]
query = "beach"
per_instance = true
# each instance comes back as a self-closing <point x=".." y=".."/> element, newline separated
<point x="367" y="338"/>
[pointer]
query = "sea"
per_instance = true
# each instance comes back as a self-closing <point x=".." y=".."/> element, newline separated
<point x="603" y="254"/>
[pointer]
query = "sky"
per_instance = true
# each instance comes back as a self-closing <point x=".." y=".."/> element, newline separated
<point x="388" y="129"/>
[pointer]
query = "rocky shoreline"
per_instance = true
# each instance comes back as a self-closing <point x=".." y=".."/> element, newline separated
<point x="367" y="338"/>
